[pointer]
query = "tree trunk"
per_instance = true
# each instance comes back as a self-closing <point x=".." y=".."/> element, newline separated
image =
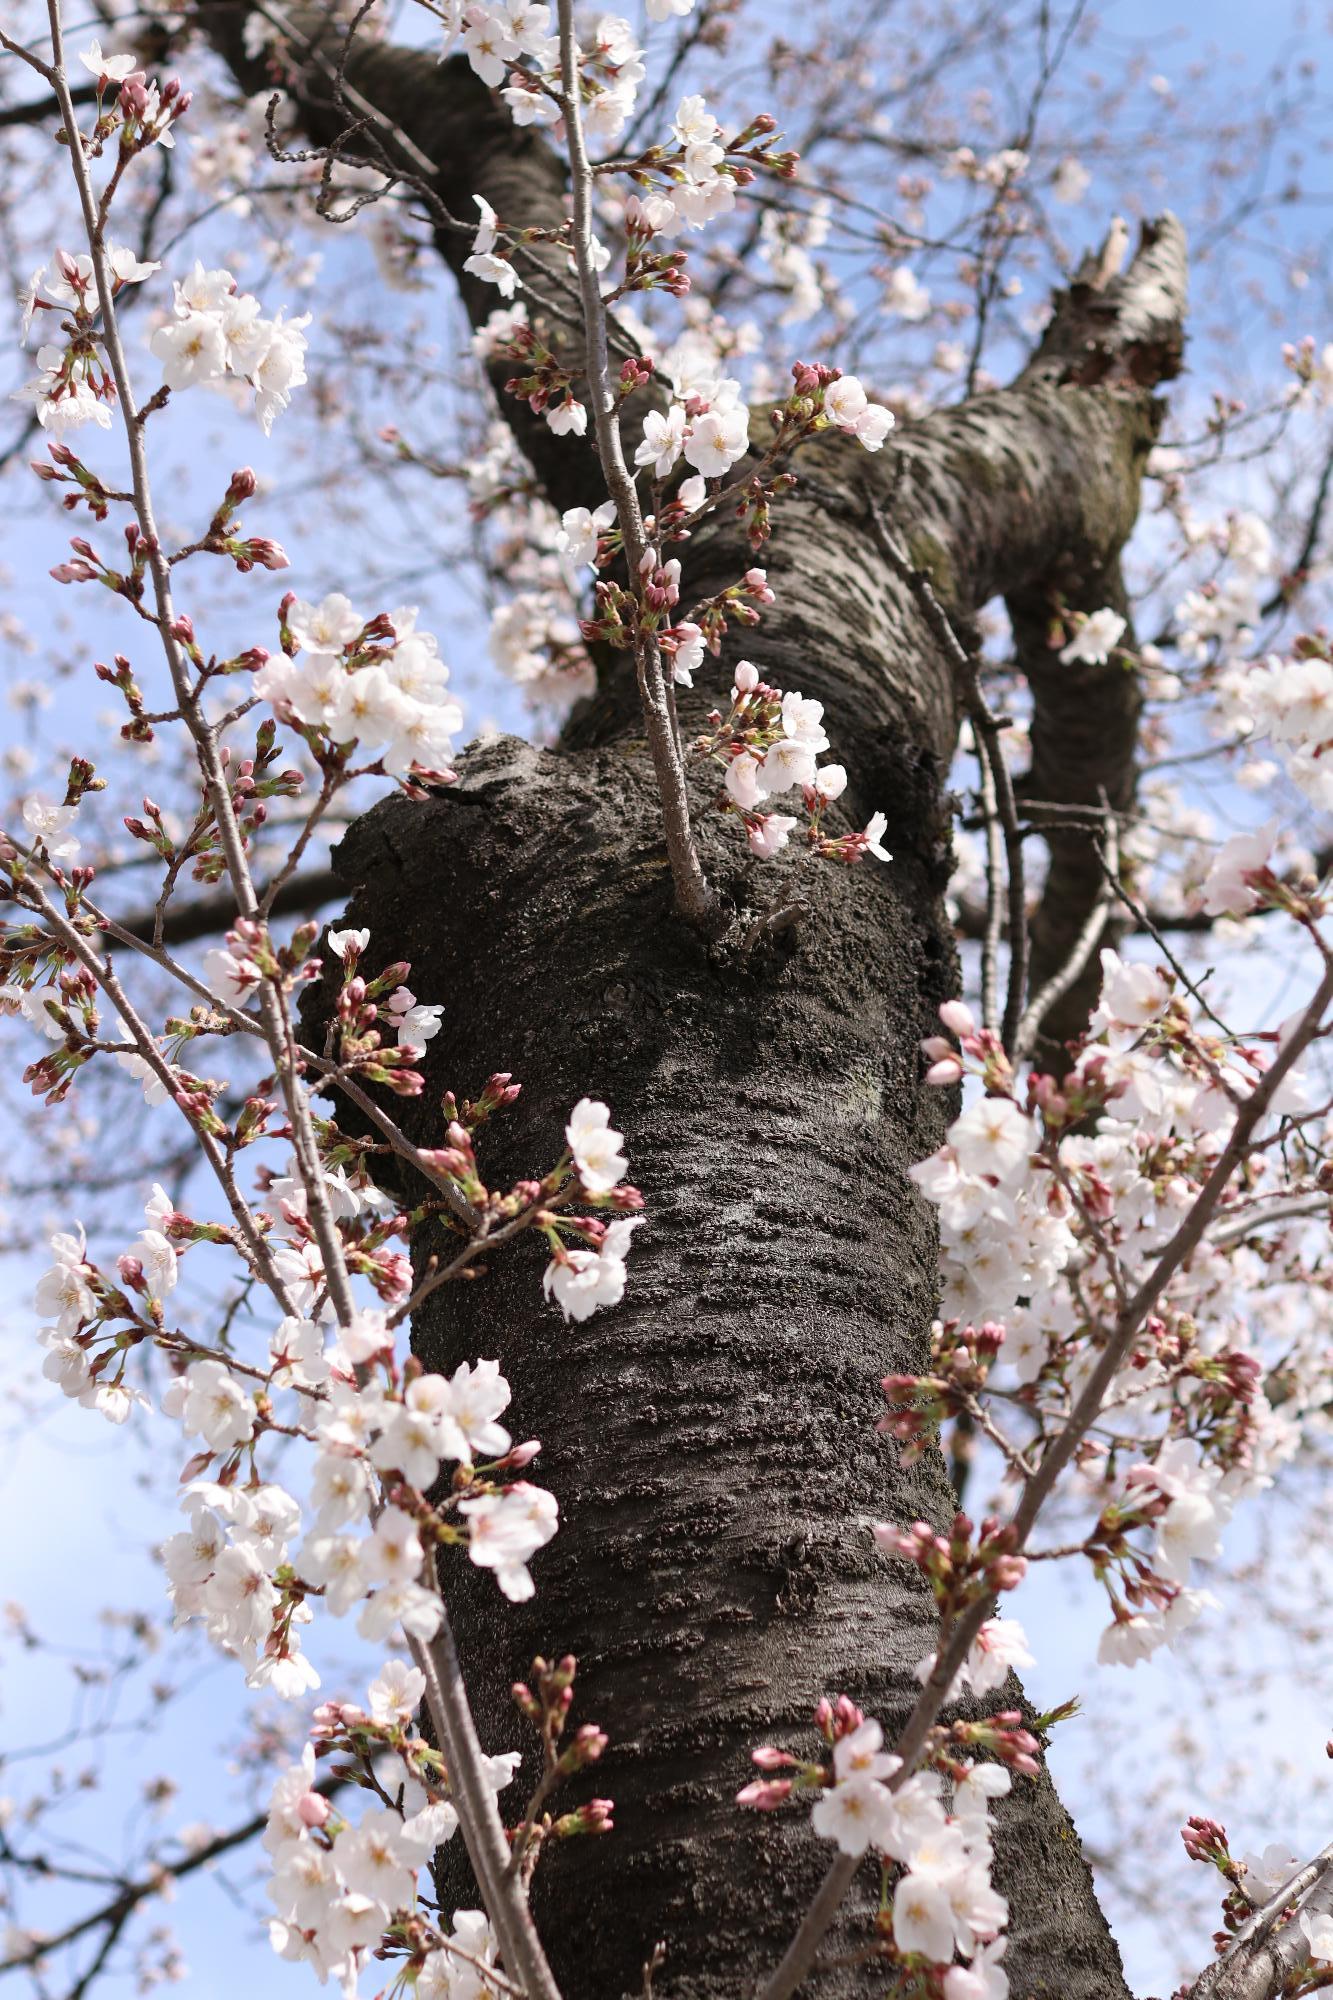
<point x="712" y="1440"/>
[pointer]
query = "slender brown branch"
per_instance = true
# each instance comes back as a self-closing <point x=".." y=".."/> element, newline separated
<point x="139" y="1891"/>
<point x="1081" y="951"/>
<point x="694" y="898"/>
<point x="479" y="1818"/>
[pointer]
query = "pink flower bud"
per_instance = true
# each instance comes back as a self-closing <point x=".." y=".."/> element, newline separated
<point x="266" y="554"/>
<point x="746" y="677"/>
<point x="958" y="1017"/>
<point x="134" y="94"/>
<point x="522" y="1454"/>
<point x="313" y="1810"/>
<point x="764" y="1794"/>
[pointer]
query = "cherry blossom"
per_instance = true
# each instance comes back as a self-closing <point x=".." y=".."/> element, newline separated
<point x="581" y="1281"/>
<point x="857" y="1814"/>
<point x="215" y="330"/>
<point x="484" y="262"/>
<point x="114" y="69"/>
<point x="595" y="1146"/>
<point x="1095" y="638"/>
<point x="1229" y="889"/>
<point x="507" y="1530"/>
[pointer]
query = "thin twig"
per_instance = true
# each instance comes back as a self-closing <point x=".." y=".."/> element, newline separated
<point x="694" y="898"/>
<point x="1083" y="947"/>
<point x="479" y="1818"/>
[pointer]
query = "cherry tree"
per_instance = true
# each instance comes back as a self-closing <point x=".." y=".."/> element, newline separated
<point x="694" y="1672"/>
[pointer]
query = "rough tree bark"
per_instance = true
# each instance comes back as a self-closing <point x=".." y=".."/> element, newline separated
<point x="712" y="1440"/>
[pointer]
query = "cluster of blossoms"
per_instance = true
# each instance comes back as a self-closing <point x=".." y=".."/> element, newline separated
<point x="381" y="1433"/>
<point x="234" y="1566"/>
<point x="1269" y="1881"/>
<point x="932" y="1824"/>
<point x="692" y="182"/>
<point x="785" y="244"/>
<point x="711" y="427"/>
<point x="215" y="331"/>
<point x="712" y="430"/>
<point x="1046" y="1232"/>
<point x="591" y="1274"/>
<point x="1312" y="367"/>
<point x="131" y="107"/>
<point x="74" y="385"/>
<point x="534" y="633"/>
<point x="535" y="642"/>
<point x="378" y="684"/>
<point x="1290" y="702"/>
<point x="767" y="744"/>
<point x="380" y="1430"/>
<point x="345" y="1888"/>
<point x="511" y="48"/>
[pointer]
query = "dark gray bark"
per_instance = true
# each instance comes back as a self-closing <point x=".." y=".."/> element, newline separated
<point x="712" y="1440"/>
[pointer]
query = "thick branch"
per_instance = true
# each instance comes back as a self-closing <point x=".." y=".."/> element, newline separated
<point x="1125" y="335"/>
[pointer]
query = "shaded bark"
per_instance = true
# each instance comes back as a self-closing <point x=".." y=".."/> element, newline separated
<point x="711" y="1441"/>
